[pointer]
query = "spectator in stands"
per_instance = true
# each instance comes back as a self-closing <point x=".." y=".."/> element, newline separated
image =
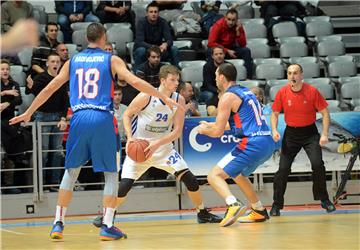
<point x="12" y="11"/>
<point x="63" y="52"/>
<point x="170" y="5"/>
<point x="212" y="104"/>
<point x="119" y="109"/>
<point x="116" y="12"/>
<point x="210" y="14"/>
<point x="72" y="12"/>
<point x="10" y="97"/>
<point x="154" y="30"/>
<point x="209" y="88"/>
<point x="149" y="70"/>
<point x="54" y="109"/>
<point x="229" y="33"/>
<point x="277" y="11"/>
<point x="186" y="90"/>
<point x="109" y="48"/>
<point x="48" y="43"/>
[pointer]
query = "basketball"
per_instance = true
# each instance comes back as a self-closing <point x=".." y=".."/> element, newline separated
<point x="136" y="150"/>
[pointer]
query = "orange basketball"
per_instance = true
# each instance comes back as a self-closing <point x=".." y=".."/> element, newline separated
<point x="136" y="150"/>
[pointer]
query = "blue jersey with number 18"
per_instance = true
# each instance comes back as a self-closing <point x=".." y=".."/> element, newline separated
<point x="91" y="81"/>
<point x="248" y="121"/>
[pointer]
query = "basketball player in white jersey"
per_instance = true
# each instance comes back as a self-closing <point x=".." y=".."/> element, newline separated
<point x="147" y="117"/>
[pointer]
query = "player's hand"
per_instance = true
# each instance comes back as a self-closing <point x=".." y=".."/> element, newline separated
<point x="171" y="103"/>
<point x="127" y="143"/>
<point x="151" y="149"/>
<point x="203" y="127"/>
<point x="323" y="140"/>
<point x="25" y="117"/>
<point x="276" y="136"/>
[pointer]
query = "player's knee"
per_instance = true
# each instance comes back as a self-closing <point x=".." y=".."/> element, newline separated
<point x="190" y="181"/>
<point x="69" y="178"/>
<point x="125" y="186"/>
<point x="111" y="183"/>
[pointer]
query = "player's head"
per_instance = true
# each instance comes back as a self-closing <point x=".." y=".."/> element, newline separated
<point x="295" y="74"/>
<point x="169" y="77"/>
<point x="96" y="33"/>
<point x="225" y="74"/>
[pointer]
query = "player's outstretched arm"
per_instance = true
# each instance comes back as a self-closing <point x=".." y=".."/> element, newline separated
<point x="217" y="128"/>
<point x="118" y="66"/>
<point x="44" y="95"/>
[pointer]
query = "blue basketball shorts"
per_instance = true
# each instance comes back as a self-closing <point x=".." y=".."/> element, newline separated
<point x="92" y="135"/>
<point x="247" y="155"/>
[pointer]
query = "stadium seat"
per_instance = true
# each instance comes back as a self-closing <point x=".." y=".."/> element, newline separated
<point x="72" y="49"/>
<point x="284" y="29"/>
<point x="275" y="82"/>
<point x="107" y="26"/>
<point x="291" y="39"/>
<point x="317" y="81"/>
<point x="259" y="50"/>
<point x="310" y="69"/>
<point x="327" y="91"/>
<point x="291" y="49"/>
<point x="343" y="58"/>
<point x="255" y="30"/>
<point x="259" y="61"/>
<point x="249" y="83"/>
<point x="196" y="63"/>
<point x="319" y="39"/>
<point x="350" y="90"/>
<point x="183" y="44"/>
<point x="18" y="75"/>
<point x="26" y="101"/>
<point x="309" y="19"/>
<point x="273" y="91"/>
<point x="330" y="48"/>
<point x="192" y="74"/>
<point x="79" y="38"/>
<point x="318" y="28"/>
<point x="252" y="20"/>
<point x="120" y="41"/>
<point x="39" y="14"/>
<point x="342" y="68"/>
<point x="305" y="59"/>
<point x="269" y="71"/>
<point x="130" y="49"/>
<point x="25" y="57"/>
<point x="79" y="25"/>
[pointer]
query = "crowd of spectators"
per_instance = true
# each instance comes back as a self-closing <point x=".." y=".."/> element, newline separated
<point x="153" y="47"/>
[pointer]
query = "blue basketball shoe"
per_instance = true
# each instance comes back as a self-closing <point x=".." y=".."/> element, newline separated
<point x="111" y="233"/>
<point x="57" y="231"/>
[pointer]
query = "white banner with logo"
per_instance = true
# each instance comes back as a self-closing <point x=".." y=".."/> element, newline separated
<point x="202" y="152"/>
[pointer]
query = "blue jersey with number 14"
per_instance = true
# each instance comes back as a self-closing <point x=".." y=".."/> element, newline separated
<point x="87" y="91"/>
<point x="248" y="121"/>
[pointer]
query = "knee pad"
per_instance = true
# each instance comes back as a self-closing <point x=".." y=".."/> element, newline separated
<point x="69" y="178"/>
<point x="125" y="186"/>
<point x="190" y="181"/>
<point x="111" y="183"/>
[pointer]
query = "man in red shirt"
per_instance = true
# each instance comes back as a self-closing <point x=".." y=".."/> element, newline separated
<point x="229" y="33"/>
<point x="300" y="102"/>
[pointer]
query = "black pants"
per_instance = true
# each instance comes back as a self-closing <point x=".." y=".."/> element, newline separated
<point x="295" y="139"/>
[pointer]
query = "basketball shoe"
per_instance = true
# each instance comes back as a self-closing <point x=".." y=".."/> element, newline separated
<point x="205" y="217"/>
<point x="57" y="231"/>
<point x="111" y="233"/>
<point x="254" y="216"/>
<point x="233" y="212"/>
<point x="328" y="205"/>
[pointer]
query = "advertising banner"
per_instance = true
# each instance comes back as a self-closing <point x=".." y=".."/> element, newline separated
<point x="202" y="152"/>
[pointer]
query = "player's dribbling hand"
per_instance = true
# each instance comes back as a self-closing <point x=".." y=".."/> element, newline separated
<point x="276" y="136"/>
<point x="25" y="117"/>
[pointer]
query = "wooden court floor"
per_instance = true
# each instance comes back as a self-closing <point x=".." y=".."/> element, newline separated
<point x="301" y="228"/>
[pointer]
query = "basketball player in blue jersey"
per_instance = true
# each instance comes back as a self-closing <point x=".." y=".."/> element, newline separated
<point x="92" y="132"/>
<point x="238" y="106"/>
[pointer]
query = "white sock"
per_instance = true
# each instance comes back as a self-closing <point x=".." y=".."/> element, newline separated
<point x="230" y="200"/>
<point x="60" y="214"/>
<point x="257" y="206"/>
<point x="200" y="207"/>
<point x="109" y="216"/>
